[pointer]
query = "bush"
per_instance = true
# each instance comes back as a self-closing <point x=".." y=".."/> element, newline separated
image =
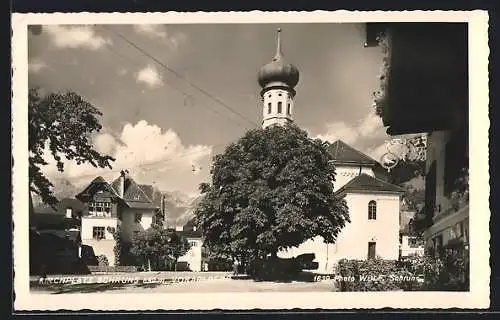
<point x="102" y="260"/>
<point x="274" y="269"/>
<point x="371" y="275"/>
<point x="112" y="268"/>
<point x="449" y="272"/>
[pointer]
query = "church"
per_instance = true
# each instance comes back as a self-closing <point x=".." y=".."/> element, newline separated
<point x="374" y="205"/>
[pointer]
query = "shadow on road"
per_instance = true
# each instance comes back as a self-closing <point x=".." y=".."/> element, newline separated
<point x="304" y="276"/>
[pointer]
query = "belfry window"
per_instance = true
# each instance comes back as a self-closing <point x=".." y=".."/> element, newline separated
<point x="280" y="104"/>
<point x="372" y="210"/>
<point x="288" y="110"/>
<point x="269" y="107"/>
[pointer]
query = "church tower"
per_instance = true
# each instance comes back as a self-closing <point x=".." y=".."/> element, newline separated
<point x="277" y="80"/>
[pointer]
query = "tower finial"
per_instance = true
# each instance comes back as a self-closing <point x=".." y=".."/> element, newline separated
<point x="278" y="44"/>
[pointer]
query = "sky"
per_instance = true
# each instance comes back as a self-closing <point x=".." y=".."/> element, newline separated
<point x="173" y="96"/>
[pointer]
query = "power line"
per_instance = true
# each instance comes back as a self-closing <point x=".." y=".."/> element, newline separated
<point x="141" y="166"/>
<point x="125" y="57"/>
<point x="220" y="102"/>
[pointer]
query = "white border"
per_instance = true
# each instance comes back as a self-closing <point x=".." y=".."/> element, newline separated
<point x="478" y="297"/>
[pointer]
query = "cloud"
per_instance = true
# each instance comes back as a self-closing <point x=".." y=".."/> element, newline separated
<point x="174" y="41"/>
<point x="36" y="66"/>
<point x="152" y="155"/>
<point x="74" y="37"/>
<point x="151" y="30"/>
<point x="122" y="71"/>
<point x="150" y="76"/>
<point x="352" y="134"/>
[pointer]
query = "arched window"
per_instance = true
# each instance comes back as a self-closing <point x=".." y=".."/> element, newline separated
<point x="288" y="110"/>
<point x="372" y="210"/>
<point x="280" y="105"/>
<point x="269" y="107"/>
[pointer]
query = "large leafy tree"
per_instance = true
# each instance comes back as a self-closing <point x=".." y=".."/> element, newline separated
<point x="271" y="190"/>
<point x="156" y="244"/>
<point x="63" y="123"/>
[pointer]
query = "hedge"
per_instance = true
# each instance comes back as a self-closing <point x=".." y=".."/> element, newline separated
<point x="103" y="268"/>
<point x="449" y="272"/>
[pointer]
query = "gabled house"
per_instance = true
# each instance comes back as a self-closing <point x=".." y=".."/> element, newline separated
<point x="427" y="92"/>
<point x="124" y="202"/>
<point x="373" y="209"/>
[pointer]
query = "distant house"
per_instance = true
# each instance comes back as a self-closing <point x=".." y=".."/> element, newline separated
<point x="195" y="256"/>
<point x="122" y="202"/>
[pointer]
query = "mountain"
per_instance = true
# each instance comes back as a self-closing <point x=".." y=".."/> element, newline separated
<point x="180" y="207"/>
<point x="63" y="188"/>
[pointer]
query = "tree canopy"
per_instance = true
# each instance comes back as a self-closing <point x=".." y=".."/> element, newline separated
<point x="272" y="189"/>
<point x="62" y="123"/>
<point x="157" y="243"/>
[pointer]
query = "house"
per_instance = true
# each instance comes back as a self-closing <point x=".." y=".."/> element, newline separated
<point x="194" y="258"/>
<point x="55" y="242"/>
<point x="427" y="92"/>
<point x="410" y="243"/>
<point x="373" y="209"/>
<point x="124" y="203"/>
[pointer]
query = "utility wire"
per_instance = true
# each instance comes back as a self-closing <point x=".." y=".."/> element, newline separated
<point x="220" y="102"/>
<point x="143" y="165"/>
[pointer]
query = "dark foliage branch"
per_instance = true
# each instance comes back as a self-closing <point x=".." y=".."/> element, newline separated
<point x="64" y="124"/>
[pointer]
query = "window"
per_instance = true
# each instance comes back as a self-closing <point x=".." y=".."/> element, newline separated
<point x="279" y="94"/>
<point x="280" y="105"/>
<point x="413" y="243"/>
<point x="100" y="209"/>
<point x="269" y="96"/>
<point x="98" y="233"/>
<point x="288" y="109"/>
<point x="69" y="213"/>
<point x="372" y="210"/>
<point x="193" y="243"/>
<point x="269" y="107"/>
<point x="372" y="250"/>
<point x="138" y="217"/>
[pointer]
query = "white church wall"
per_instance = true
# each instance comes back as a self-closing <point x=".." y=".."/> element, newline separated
<point x="352" y="242"/>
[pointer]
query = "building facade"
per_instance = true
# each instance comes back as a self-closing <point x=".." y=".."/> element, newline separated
<point x="373" y="210"/>
<point x="426" y="96"/>
<point x="123" y="203"/>
<point x="373" y="204"/>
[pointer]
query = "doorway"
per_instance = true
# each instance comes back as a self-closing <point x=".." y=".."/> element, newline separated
<point x="371" y="250"/>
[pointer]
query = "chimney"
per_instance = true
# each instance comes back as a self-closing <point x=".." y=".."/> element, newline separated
<point x="121" y="184"/>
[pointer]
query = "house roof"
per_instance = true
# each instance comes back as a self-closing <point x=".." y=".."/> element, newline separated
<point x="345" y="154"/>
<point x="135" y="195"/>
<point x="367" y="183"/>
<point x="60" y="208"/>
<point x="99" y="181"/>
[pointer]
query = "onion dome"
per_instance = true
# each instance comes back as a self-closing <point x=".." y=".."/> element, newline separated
<point x="278" y="72"/>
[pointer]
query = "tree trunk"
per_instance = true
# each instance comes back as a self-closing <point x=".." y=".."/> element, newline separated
<point x="149" y="265"/>
<point x="175" y="264"/>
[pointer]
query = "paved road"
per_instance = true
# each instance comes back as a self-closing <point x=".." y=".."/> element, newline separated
<point x="179" y="284"/>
